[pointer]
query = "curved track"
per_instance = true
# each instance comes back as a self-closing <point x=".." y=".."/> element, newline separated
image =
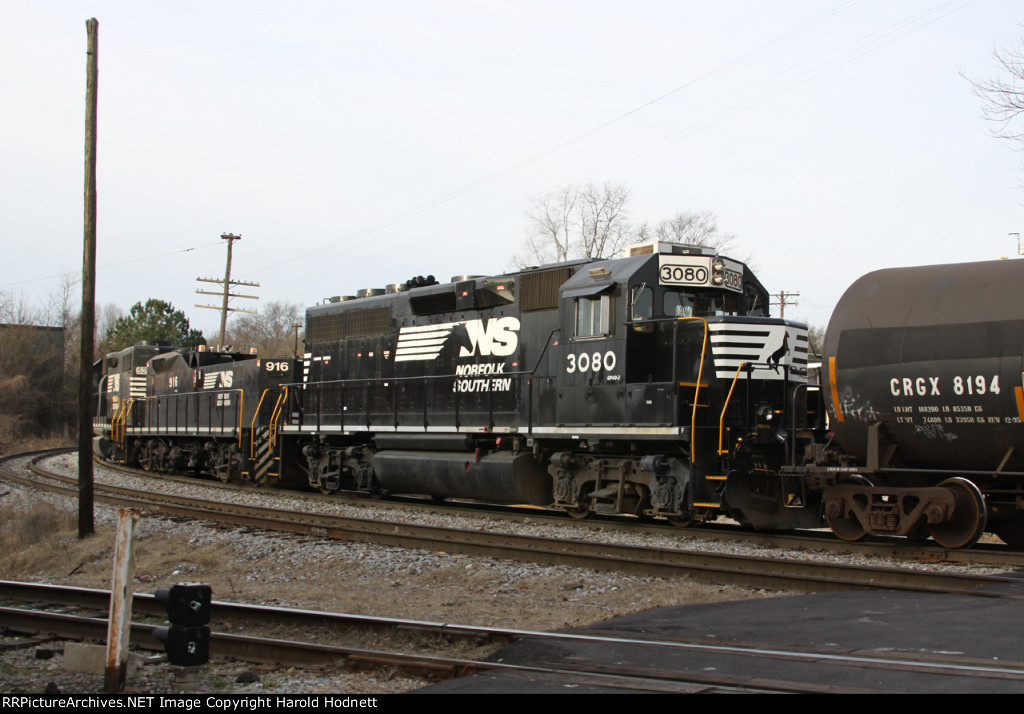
<point x="763" y="572"/>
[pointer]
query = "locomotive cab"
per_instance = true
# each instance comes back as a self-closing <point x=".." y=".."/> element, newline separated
<point x="120" y="398"/>
<point x="668" y="354"/>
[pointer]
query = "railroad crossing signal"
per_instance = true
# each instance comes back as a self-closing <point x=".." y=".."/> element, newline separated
<point x="187" y="640"/>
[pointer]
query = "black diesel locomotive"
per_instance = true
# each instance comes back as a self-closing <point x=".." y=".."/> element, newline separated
<point x="632" y="385"/>
<point x="170" y="409"/>
<point x="655" y="384"/>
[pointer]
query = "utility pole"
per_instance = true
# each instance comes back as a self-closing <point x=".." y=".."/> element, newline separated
<point x="86" y="525"/>
<point x="782" y="295"/>
<point x="227" y="282"/>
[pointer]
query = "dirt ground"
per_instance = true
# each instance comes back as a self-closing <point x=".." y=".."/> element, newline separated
<point x="38" y="541"/>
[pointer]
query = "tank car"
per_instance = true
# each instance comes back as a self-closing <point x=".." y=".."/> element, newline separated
<point x="193" y="409"/>
<point x="923" y="382"/>
<point x="636" y="385"/>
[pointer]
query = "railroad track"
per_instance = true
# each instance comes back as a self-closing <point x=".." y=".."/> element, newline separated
<point x="990" y="553"/>
<point x="761" y="572"/>
<point x="576" y="666"/>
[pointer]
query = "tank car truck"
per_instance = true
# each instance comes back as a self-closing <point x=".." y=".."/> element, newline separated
<point x="639" y="385"/>
<point x="199" y="410"/>
<point x="922" y="379"/>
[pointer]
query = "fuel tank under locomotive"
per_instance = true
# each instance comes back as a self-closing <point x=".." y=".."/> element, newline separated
<point x="934" y="353"/>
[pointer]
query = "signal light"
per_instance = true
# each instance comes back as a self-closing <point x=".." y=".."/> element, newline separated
<point x="187" y="640"/>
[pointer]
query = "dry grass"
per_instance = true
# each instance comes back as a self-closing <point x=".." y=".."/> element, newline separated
<point x="32" y="541"/>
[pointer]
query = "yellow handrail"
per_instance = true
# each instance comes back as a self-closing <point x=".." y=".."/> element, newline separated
<point x="721" y="419"/>
<point x="696" y="391"/>
<point x="276" y="414"/>
<point x="114" y="420"/>
<point x="119" y="422"/>
<point x="252" y="424"/>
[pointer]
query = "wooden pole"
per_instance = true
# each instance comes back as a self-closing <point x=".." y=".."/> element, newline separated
<point x="230" y="238"/>
<point x="119" y="625"/>
<point x="86" y="525"/>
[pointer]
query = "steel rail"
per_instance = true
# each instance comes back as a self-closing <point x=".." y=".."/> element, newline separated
<point x="750" y="571"/>
<point x="991" y="554"/>
<point x="259" y="649"/>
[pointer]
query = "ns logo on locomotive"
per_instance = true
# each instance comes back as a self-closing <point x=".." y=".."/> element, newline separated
<point x="654" y="384"/>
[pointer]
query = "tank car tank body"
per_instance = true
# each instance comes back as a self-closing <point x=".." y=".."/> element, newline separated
<point x="633" y="385"/>
<point x="923" y="383"/>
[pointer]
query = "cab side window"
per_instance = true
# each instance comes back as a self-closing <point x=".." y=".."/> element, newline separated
<point x="593" y="316"/>
<point x="643" y="303"/>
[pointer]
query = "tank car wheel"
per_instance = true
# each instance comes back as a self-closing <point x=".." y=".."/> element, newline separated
<point x="969" y="516"/>
<point x="848" y="529"/>
<point x="681" y="522"/>
<point x="920" y="533"/>
<point x="1012" y="532"/>
<point x="327" y="490"/>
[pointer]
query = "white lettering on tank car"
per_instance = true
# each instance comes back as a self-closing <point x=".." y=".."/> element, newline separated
<point x="914" y="386"/>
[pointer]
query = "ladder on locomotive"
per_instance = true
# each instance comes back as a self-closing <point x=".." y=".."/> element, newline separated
<point x="263" y="439"/>
<point x="118" y="429"/>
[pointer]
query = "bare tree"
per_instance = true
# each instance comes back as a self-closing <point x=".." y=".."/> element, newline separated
<point x="603" y="213"/>
<point x="1003" y="98"/>
<point x="550" y="225"/>
<point x="106" y="317"/>
<point x="34" y="393"/>
<point x="593" y="222"/>
<point x="816" y="339"/>
<point x="274" y="331"/>
<point x="578" y="222"/>
<point x="694" y="228"/>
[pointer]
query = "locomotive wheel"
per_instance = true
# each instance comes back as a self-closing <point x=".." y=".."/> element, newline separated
<point x="580" y="512"/>
<point x="969" y="516"/>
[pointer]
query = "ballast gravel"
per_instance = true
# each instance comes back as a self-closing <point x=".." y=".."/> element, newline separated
<point x="260" y="567"/>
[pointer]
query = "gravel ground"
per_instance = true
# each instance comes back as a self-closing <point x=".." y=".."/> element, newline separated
<point x="38" y="543"/>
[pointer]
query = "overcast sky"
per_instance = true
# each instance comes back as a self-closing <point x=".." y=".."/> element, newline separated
<point x="354" y="144"/>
